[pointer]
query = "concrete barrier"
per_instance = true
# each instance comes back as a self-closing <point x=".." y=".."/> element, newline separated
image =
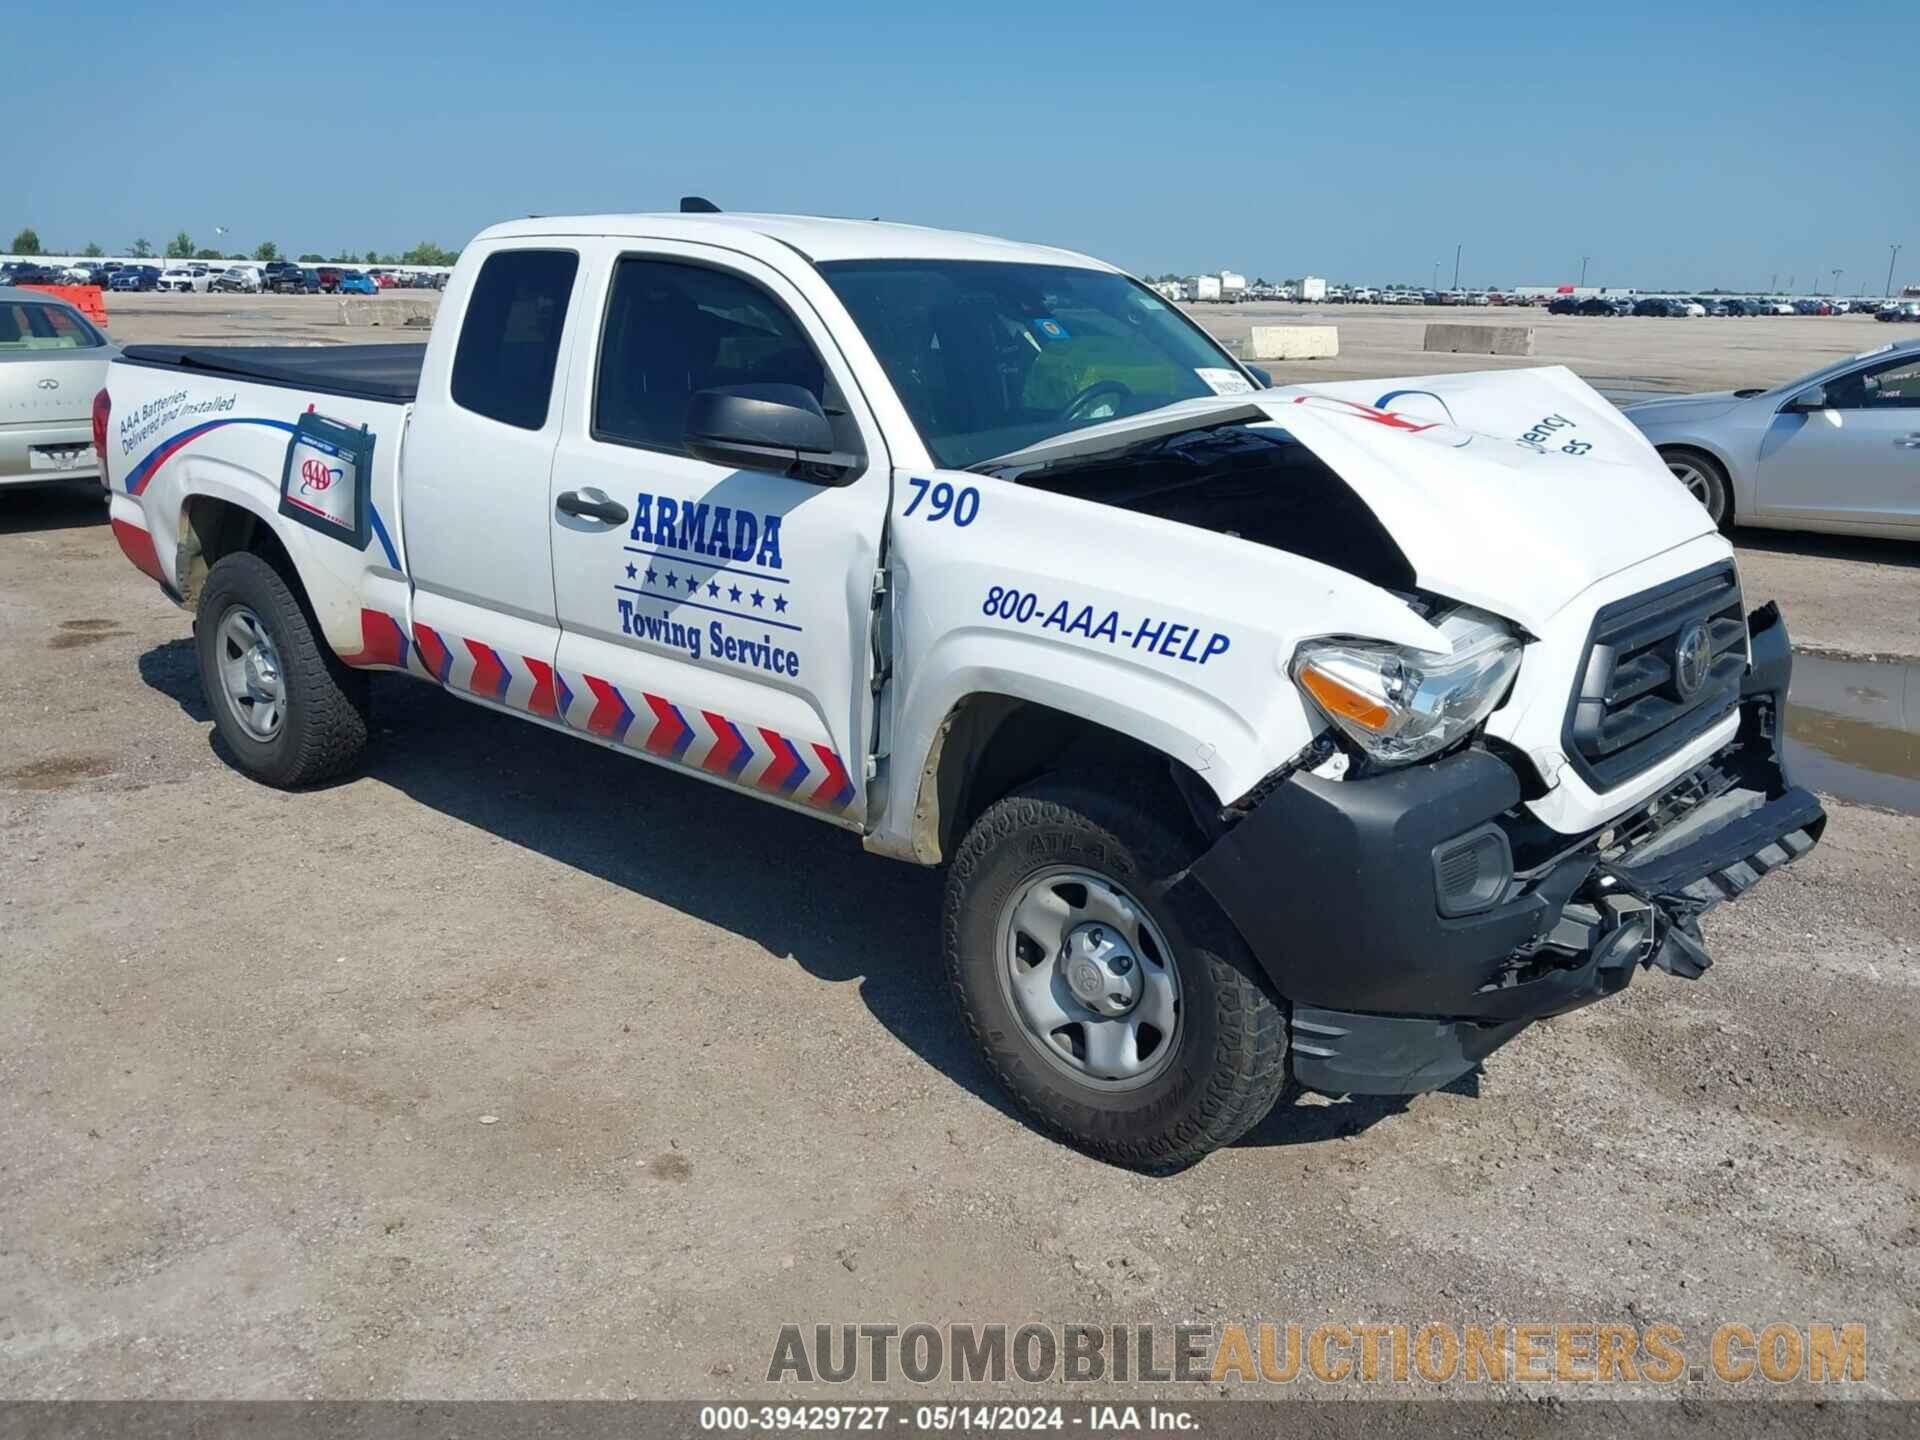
<point x="1480" y="339"/>
<point x="1293" y="342"/>
<point x="385" y="310"/>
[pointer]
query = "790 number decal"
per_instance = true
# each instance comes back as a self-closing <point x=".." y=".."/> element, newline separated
<point x="944" y="500"/>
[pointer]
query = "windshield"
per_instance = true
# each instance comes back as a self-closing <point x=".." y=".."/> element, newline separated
<point x="989" y="357"/>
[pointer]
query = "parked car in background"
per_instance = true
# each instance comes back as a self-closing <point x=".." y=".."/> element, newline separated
<point x="1602" y="305"/>
<point x="1837" y="450"/>
<point x="329" y="278"/>
<point x="282" y="277"/>
<point x="239" y="280"/>
<point x="384" y="279"/>
<point x="1777" y="307"/>
<point x="136" y="277"/>
<point x="52" y="363"/>
<point x="310" y="279"/>
<point x="177" y="278"/>
<point x="357" y="282"/>
<point x="30" y="272"/>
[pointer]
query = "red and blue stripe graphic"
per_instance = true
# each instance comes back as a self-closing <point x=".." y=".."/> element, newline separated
<point x="491" y="677"/>
<point x="433" y="651"/>
<point x="671" y="734"/>
<point x="730" y="751"/>
<point x="142" y="474"/>
<point x="611" y="714"/>
<point x="784" y="775"/>
<point x="733" y="752"/>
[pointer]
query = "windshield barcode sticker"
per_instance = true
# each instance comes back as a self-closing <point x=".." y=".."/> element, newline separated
<point x="1225" y="382"/>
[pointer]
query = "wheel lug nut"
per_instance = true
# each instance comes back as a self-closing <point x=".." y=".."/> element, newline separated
<point x="1096" y="937"/>
<point x="1120" y="964"/>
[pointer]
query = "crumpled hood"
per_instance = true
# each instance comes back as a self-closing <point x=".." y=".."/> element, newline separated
<point x="1512" y="490"/>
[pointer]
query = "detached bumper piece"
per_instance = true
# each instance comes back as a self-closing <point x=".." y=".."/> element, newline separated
<point x="1418" y="920"/>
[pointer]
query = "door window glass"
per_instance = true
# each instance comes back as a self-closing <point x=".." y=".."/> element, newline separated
<point x="510" y="337"/>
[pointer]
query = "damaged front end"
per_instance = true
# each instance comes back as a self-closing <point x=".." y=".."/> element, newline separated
<point x="1419" y="918"/>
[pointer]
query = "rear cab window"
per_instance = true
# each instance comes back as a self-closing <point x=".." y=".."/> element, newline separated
<point x="509" y="345"/>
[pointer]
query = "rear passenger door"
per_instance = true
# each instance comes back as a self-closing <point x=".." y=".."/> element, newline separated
<point x="474" y="483"/>
<point x="715" y="618"/>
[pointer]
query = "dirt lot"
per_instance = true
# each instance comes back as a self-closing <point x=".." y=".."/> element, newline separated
<point x="512" y="1067"/>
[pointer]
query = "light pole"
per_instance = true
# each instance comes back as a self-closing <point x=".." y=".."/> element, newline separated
<point x="1456" y="265"/>
<point x="1583" y="271"/>
<point x="1837" y="273"/>
<point x="1895" y="255"/>
<point x="1436" y="275"/>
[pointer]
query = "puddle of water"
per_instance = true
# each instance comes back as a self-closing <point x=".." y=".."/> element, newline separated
<point x="1853" y="730"/>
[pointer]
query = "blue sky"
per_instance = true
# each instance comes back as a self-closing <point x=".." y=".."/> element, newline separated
<point x="1680" y="145"/>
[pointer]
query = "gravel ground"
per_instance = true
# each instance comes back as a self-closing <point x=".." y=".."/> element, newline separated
<point x="511" y="1068"/>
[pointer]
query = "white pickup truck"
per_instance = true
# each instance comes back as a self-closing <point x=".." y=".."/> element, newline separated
<point x="1325" y="734"/>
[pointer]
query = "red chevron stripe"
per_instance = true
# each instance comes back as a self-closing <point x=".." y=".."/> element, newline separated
<point x="542" y="702"/>
<point x="610" y="716"/>
<point x="490" y="674"/>
<point x="836" y="791"/>
<point x="433" y="650"/>
<point x="784" y="760"/>
<point x="728" y="744"/>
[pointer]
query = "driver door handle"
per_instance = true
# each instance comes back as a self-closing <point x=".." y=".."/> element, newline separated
<point x="1909" y="442"/>
<point x="591" y="504"/>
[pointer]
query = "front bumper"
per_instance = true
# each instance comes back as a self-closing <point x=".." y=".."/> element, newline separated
<point x="1405" y="965"/>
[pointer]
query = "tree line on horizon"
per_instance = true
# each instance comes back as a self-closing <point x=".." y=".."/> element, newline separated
<point x="27" y="242"/>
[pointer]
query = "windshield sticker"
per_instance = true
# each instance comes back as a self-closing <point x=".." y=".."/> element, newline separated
<point x="1225" y="382"/>
<point x="1050" y="329"/>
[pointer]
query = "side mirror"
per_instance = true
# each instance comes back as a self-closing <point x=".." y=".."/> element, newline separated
<point x="764" y="427"/>
<point x="1266" y="380"/>
<point x="1807" y="402"/>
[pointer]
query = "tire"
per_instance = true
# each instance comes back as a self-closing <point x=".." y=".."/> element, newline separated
<point x="1201" y="1086"/>
<point x="1706" y="479"/>
<point x="321" y="726"/>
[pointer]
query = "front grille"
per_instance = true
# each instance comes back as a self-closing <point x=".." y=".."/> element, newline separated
<point x="1639" y="698"/>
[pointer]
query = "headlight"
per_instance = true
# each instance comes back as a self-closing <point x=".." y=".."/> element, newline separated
<point x="1400" y="704"/>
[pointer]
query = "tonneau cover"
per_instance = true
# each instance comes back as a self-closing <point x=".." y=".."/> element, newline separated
<point x="365" y="372"/>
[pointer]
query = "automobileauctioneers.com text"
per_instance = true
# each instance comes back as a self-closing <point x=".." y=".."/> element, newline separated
<point x="1735" y="1353"/>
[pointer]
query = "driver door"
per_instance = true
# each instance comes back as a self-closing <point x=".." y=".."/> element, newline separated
<point x="1848" y="452"/>
<point x="711" y="617"/>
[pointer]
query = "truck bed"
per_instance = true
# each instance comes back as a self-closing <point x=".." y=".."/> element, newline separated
<point x="365" y="372"/>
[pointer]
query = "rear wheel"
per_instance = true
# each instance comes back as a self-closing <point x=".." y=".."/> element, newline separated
<point x="289" y="711"/>
<point x="1117" y="1005"/>
<point x="1705" y="480"/>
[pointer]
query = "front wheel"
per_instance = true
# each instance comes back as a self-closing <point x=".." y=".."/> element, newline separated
<point x="1705" y="481"/>
<point x="1118" y="1007"/>
<point x="288" y="710"/>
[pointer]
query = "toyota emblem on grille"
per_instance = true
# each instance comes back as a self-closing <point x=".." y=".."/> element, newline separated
<point x="49" y="384"/>
<point x="1692" y="658"/>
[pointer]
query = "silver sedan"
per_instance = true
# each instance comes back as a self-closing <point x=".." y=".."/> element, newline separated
<point x="1837" y="450"/>
<point x="52" y="363"/>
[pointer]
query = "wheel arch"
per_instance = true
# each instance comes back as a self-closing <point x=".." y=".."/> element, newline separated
<point x="1736" y="502"/>
<point x="989" y="743"/>
<point x="214" y="526"/>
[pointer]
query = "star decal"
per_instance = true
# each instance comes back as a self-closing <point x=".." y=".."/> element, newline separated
<point x="693" y="584"/>
<point x="651" y="577"/>
<point x="780" y="604"/>
<point x="733" y="593"/>
<point x="712" y="589"/>
<point x="630" y="570"/>
<point x="757" y="598"/>
<point x="673" y="581"/>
